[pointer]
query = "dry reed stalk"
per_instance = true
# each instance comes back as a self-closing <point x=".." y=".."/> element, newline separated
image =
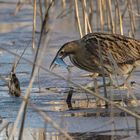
<point x="64" y="13"/>
<point x="120" y="18"/>
<point x="64" y="4"/>
<point x="17" y="62"/>
<point x="86" y="20"/>
<point x="97" y="15"/>
<point x="112" y="115"/>
<point x="138" y="6"/>
<point x="84" y="16"/>
<point x="137" y="126"/>
<point x="131" y="17"/>
<point x="103" y="3"/>
<point x="18" y="6"/>
<point x="40" y="7"/>
<point x="49" y="120"/>
<point x="46" y="3"/>
<point x="77" y="85"/>
<point x="103" y="11"/>
<point x="90" y="15"/>
<point x="124" y="10"/>
<point x="107" y="16"/>
<point x="101" y="15"/>
<point x="23" y="107"/>
<point x="115" y="19"/>
<point x="78" y="18"/>
<point x="42" y="134"/>
<point x="4" y="125"/>
<point x="109" y="5"/>
<point x="38" y="78"/>
<point x="34" y="24"/>
<point x="89" y="25"/>
<point x="22" y="123"/>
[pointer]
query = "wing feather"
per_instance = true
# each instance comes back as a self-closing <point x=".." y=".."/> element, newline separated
<point x="123" y="49"/>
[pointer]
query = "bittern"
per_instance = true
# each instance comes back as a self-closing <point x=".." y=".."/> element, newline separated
<point x="113" y="49"/>
<point x="14" y="85"/>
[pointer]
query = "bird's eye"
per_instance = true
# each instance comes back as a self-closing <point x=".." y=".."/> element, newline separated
<point x="62" y="53"/>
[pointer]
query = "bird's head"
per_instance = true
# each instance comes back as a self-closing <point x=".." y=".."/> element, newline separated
<point x="66" y="50"/>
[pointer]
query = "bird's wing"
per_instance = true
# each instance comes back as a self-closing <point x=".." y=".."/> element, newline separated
<point x="122" y="49"/>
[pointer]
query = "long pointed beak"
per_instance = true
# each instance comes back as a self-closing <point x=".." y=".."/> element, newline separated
<point x="58" y="61"/>
<point x="52" y="65"/>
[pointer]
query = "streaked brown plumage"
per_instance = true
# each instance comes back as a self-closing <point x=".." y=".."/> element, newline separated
<point x="85" y="53"/>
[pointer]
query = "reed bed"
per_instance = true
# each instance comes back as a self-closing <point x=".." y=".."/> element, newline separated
<point x="89" y="16"/>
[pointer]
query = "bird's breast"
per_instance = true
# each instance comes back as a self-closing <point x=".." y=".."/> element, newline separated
<point x="85" y="62"/>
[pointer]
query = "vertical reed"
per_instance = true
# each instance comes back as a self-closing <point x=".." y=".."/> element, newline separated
<point x="109" y="5"/>
<point x="107" y="16"/>
<point x="115" y="19"/>
<point x="97" y="15"/>
<point x="138" y="6"/>
<point x="101" y="15"/>
<point x="90" y="16"/>
<point x="41" y="12"/>
<point x="120" y="17"/>
<point x="64" y="4"/>
<point x="78" y="18"/>
<point x="84" y="16"/>
<point x="34" y="24"/>
<point x="131" y="17"/>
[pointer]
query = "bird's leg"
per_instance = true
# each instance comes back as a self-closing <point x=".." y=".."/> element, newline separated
<point x="128" y="86"/>
<point x="68" y="100"/>
<point x="130" y="93"/>
<point x="109" y="83"/>
<point x="125" y="84"/>
<point x="130" y="73"/>
<point x="98" y="101"/>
